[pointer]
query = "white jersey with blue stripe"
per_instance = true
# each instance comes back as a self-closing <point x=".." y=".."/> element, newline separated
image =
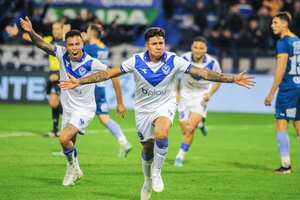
<point x="191" y="87"/>
<point x="154" y="81"/>
<point x="81" y="97"/>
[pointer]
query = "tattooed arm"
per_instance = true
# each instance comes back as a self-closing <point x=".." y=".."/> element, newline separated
<point x="211" y="75"/>
<point x="94" y="78"/>
<point x="36" y="39"/>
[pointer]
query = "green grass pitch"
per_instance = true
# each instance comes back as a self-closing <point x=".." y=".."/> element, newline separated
<point x="232" y="162"/>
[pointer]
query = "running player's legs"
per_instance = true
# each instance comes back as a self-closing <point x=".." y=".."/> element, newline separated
<point x="191" y="126"/>
<point x="102" y="113"/>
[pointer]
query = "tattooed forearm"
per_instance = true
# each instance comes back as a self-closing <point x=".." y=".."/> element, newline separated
<point x="40" y="43"/>
<point x="97" y="77"/>
<point x="212" y="75"/>
<point x="217" y="77"/>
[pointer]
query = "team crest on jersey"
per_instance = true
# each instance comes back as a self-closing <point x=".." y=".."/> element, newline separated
<point x="82" y="70"/>
<point x="166" y="69"/>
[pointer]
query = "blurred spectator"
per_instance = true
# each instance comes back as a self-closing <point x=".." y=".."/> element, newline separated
<point x="199" y="16"/>
<point x="264" y="25"/>
<point x="274" y="5"/>
<point x="296" y="18"/>
<point x="245" y="9"/>
<point x="116" y="35"/>
<point x="78" y="23"/>
<point x="235" y="20"/>
<point x="37" y="18"/>
<point x="250" y="43"/>
<point x="288" y="6"/>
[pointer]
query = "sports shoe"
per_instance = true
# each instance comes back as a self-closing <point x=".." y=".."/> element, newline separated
<point x="203" y="130"/>
<point x="78" y="173"/>
<point x="125" y="150"/>
<point x="157" y="183"/>
<point x="69" y="178"/>
<point x="283" y="170"/>
<point x="146" y="190"/>
<point x="178" y="162"/>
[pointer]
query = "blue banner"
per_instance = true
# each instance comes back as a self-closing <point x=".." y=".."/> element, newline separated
<point x="130" y="4"/>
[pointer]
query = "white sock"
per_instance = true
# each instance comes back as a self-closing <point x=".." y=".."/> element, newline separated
<point x="286" y="161"/>
<point x="146" y="165"/>
<point x="160" y="153"/>
<point x="122" y="140"/>
<point x="181" y="154"/>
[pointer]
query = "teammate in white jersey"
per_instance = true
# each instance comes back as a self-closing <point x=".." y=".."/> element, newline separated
<point x="78" y="104"/>
<point x="194" y="95"/>
<point x="155" y="98"/>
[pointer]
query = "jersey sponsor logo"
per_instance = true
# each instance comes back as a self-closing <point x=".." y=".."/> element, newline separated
<point x="140" y="135"/>
<point x="296" y="79"/>
<point x="154" y="92"/>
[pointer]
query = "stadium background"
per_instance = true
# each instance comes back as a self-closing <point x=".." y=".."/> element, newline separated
<point x="238" y="33"/>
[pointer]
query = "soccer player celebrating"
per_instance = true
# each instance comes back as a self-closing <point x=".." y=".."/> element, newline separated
<point x="155" y="98"/>
<point x="78" y="104"/>
<point x="194" y="95"/>
<point x="98" y="50"/>
<point x="287" y="78"/>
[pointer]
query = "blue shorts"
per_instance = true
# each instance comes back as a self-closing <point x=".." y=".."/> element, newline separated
<point x="101" y="103"/>
<point x="288" y="104"/>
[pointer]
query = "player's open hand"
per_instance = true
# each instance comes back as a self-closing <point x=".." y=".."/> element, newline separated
<point x="12" y="30"/>
<point x="244" y="80"/>
<point x="121" y="108"/>
<point x="269" y="99"/>
<point x="70" y="83"/>
<point x="26" y="24"/>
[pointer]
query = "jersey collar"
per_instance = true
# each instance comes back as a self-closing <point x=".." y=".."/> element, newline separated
<point x="83" y="56"/>
<point x="289" y="34"/>
<point x="147" y="59"/>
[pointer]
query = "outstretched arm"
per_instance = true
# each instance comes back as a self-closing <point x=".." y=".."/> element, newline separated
<point x="120" y="105"/>
<point x="94" y="78"/>
<point x="281" y="66"/>
<point x="211" y="75"/>
<point x="36" y="39"/>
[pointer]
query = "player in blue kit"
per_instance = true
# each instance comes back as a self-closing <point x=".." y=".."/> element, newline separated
<point x="97" y="49"/>
<point x="155" y="71"/>
<point x="287" y="78"/>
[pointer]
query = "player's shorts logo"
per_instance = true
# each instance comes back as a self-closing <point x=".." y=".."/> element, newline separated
<point x="81" y="121"/>
<point x="166" y="69"/>
<point x="181" y="115"/>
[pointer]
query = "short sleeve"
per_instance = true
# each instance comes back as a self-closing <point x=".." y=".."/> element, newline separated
<point x="182" y="64"/>
<point x="282" y="48"/>
<point x="128" y="65"/>
<point x="98" y="66"/>
<point x="59" y="51"/>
